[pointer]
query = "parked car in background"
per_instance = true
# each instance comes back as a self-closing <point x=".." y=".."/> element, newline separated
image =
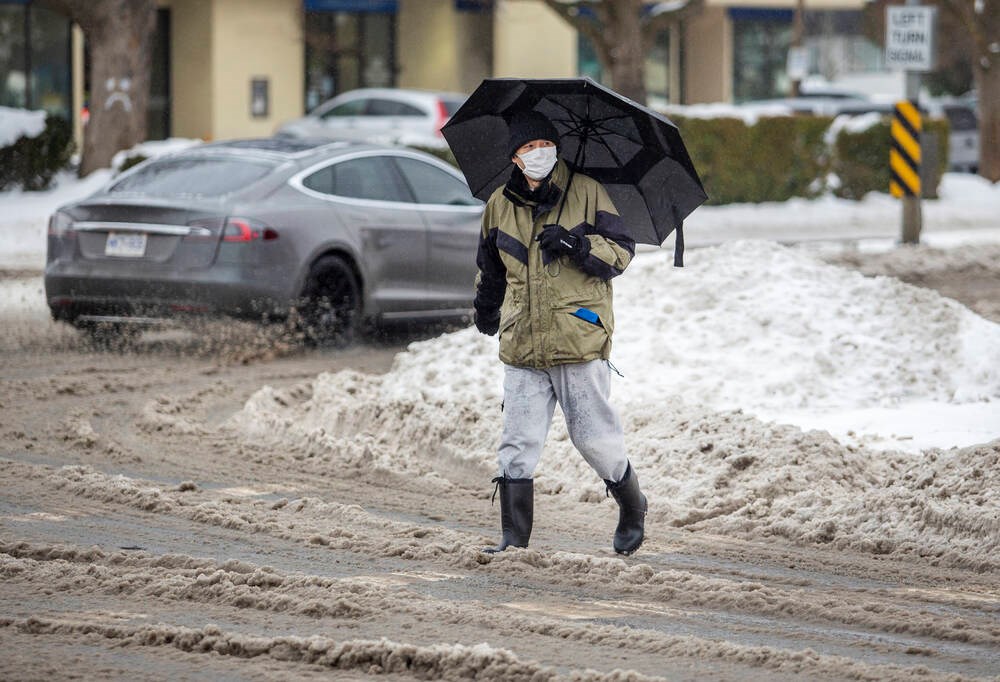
<point x="381" y="115"/>
<point x="332" y="232"/>
<point x="963" y="138"/>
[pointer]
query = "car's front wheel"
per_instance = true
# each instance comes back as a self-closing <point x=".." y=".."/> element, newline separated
<point x="329" y="310"/>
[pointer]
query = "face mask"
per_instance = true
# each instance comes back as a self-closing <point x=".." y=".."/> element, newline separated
<point x="539" y="162"/>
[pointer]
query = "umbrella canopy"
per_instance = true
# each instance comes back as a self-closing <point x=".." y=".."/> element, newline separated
<point x="636" y="153"/>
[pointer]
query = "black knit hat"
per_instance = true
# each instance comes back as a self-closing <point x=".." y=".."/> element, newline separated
<point x="526" y="126"/>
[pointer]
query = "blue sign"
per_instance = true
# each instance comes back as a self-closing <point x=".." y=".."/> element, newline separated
<point x="388" y="6"/>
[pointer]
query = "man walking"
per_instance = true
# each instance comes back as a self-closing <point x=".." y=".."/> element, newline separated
<point x="547" y="290"/>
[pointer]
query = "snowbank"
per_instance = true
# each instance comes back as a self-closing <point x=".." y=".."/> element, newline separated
<point x="750" y="332"/>
<point x="18" y="123"/>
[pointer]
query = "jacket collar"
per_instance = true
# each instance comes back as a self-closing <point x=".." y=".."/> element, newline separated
<point x="543" y="199"/>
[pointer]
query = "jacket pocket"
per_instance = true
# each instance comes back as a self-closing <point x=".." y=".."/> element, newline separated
<point x="577" y="336"/>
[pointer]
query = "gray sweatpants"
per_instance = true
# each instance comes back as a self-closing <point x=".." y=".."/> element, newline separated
<point x="582" y="391"/>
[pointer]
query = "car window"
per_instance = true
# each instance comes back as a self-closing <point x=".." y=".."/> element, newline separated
<point x="961" y="118"/>
<point x="451" y="105"/>
<point x="320" y="181"/>
<point x="387" y="107"/>
<point x="365" y="178"/>
<point x="209" y="177"/>
<point x="431" y="185"/>
<point x="356" y="107"/>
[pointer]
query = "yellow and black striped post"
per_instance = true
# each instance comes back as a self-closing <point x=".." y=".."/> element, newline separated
<point x="904" y="156"/>
<point x="904" y="167"/>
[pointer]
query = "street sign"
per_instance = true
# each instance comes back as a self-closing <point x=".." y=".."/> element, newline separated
<point x="909" y="37"/>
<point x="797" y="65"/>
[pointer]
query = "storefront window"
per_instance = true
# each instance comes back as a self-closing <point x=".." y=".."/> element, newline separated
<point x="348" y="50"/>
<point x="760" y="52"/>
<point x="35" y="41"/>
<point x="51" y="75"/>
<point x="837" y="45"/>
<point x="13" y="56"/>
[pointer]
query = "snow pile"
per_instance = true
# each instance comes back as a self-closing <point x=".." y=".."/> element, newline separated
<point x="756" y="326"/>
<point x="851" y="124"/>
<point x="749" y="328"/>
<point x="18" y="123"/>
<point x="749" y="114"/>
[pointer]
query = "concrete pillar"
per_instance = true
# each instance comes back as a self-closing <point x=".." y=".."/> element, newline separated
<point x="532" y="41"/>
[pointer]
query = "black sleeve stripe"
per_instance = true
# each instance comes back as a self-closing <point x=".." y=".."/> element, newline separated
<point x="611" y="226"/>
<point x="512" y="246"/>
<point x="493" y="274"/>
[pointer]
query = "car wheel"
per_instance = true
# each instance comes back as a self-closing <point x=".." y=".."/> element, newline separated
<point x="330" y="307"/>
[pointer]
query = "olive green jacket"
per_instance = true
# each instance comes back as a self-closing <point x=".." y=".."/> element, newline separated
<point x="552" y="312"/>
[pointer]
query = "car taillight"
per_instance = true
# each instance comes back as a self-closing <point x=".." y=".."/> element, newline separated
<point x="246" y="230"/>
<point x="60" y="225"/>
<point x="442" y="117"/>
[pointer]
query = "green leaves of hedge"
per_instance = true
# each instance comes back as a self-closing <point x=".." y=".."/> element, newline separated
<point x="32" y="162"/>
<point x="781" y="157"/>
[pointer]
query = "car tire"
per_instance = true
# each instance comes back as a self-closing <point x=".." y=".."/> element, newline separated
<point x="329" y="310"/>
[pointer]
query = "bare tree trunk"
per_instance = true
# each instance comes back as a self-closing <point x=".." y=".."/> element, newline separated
<point x="623" y="35"/>
<point x="119" y="34"/>
<point x="988" y="88"/>
<point x="981" y="20"/>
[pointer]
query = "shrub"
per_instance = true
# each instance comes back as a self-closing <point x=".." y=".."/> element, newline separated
<point x="861" y="159"/>
<point x="32" y="162"/>
<point x="775" y="159"/>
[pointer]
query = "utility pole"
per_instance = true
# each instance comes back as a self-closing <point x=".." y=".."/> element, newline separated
<point x="913" y="219"/>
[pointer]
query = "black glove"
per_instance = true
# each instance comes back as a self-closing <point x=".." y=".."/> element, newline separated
<point x="557" y="241"/>
<point x="487" y="322"/>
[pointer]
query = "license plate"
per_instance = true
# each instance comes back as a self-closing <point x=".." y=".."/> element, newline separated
<point x="125" y="244"/>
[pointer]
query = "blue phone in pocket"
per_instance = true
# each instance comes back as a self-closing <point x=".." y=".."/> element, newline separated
<point x="588" y="315"/>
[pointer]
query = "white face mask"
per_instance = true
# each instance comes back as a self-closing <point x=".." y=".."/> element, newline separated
<point x="539" y="162"/>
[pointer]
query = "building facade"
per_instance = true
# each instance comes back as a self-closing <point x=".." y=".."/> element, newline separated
<point x="238" y="68"/>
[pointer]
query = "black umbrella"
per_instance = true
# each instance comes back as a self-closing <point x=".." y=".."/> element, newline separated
<point x="636" y="153"/>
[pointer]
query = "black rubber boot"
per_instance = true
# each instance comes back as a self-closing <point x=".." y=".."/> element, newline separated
<point x="517" y="508"/>
<point x="631" y="512"/>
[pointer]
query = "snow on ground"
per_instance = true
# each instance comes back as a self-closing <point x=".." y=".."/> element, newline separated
<point x="968" y="209"/>
<point x="727" y="364"/>
<point x="724" y="361"/>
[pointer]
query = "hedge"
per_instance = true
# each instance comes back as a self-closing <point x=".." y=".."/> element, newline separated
<point x="32" y="162"/>
<point x="861" y="159"/>
<point x="780" y="157"/>
<point x="773" y="160"/>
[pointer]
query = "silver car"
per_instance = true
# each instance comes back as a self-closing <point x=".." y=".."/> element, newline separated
<point x="334" y="232"/>
<point x="380" y="115"/>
